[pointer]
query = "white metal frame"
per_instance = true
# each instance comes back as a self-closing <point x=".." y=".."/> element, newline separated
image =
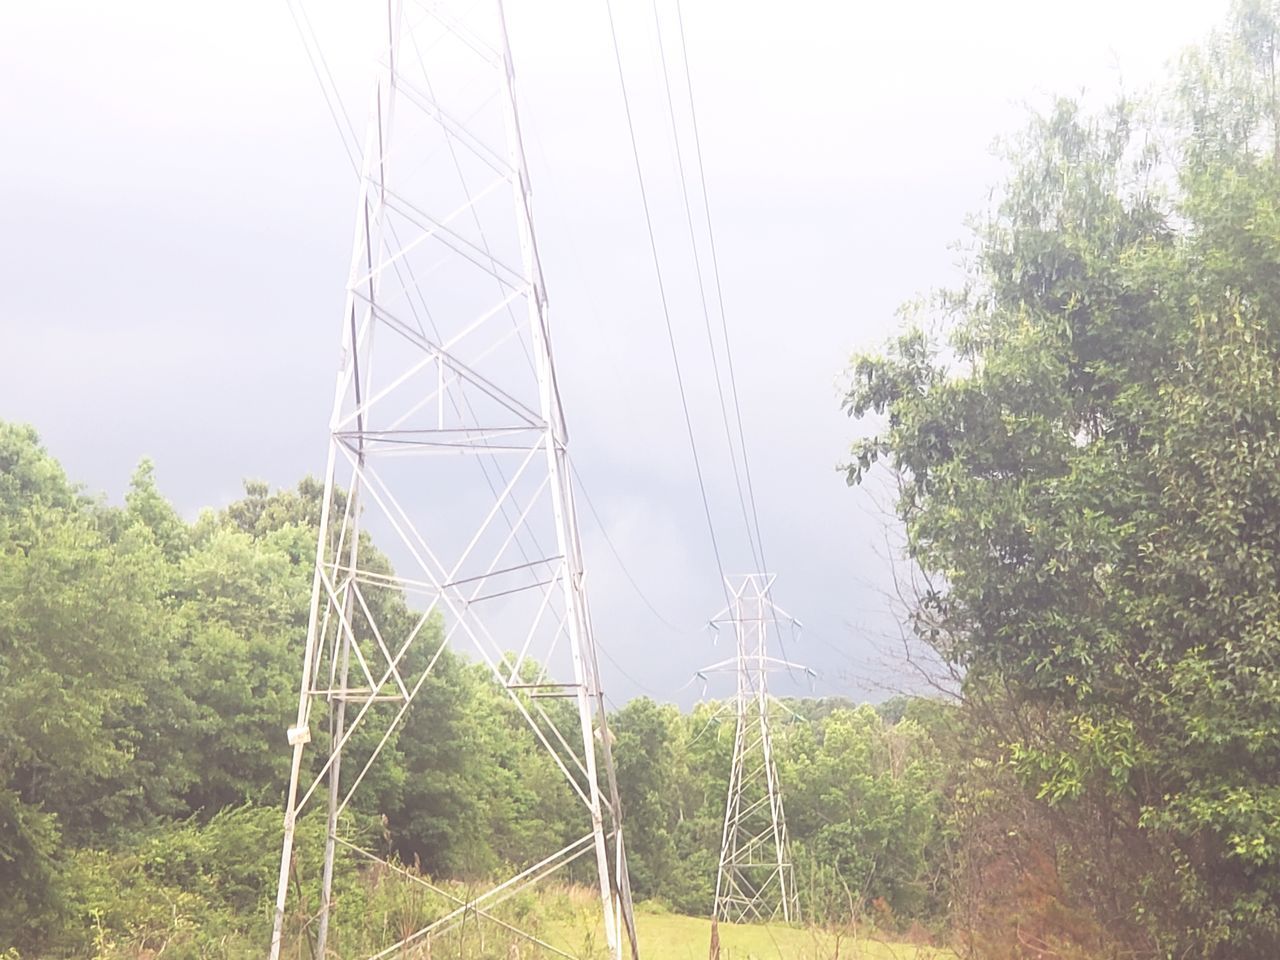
<point x="755" y="879"/>
<point x="440" y="280"/>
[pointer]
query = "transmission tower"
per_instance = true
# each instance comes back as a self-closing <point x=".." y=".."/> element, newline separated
<point x="755" y="879"/>
<point x="448" y="438"/>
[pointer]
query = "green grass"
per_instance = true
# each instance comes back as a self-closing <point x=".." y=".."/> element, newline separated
<point x="672" y="937"/>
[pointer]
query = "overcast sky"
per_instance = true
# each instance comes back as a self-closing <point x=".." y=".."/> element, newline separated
<point x="177" y="210"/>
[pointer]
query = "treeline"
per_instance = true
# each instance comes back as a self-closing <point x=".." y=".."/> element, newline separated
<point x="1086" y="441"/>
<point x="148" y="668"/>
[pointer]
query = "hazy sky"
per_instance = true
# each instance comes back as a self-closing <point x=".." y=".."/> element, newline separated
<point x="177" y="210"/>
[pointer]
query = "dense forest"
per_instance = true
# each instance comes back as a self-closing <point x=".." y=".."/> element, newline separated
<point x="149" y="668"/>
<point x="1084" y="440"/>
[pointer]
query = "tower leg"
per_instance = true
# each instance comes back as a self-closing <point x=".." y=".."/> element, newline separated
<point x="420" y="269"/>
<point x="755" y="878"/>
<point x="299" y="734"/>
<point x="337" y="728"/>
<point x="286" y="855"/>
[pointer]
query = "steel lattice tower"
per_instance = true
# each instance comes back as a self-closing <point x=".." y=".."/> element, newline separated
<point x="451" y="448"/>
<point x="755" y="879"/>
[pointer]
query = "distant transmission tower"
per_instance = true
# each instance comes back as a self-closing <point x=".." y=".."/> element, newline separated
<point x="755" y="879"/>
<point x="448" y="436"/>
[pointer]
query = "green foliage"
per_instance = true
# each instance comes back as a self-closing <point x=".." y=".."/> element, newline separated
<point x="863" y="798"/>
<point x="1088" y="466"/>
<point x="865" y="806"/>
<point x="150" y="662"/>
<point x="185" y="888"/>
<point x="649" y="764"/>
<point x="34" y="898"/>
<point x="1086" y="448"/>
<point x="146" y="665"/>
<point x="78" y="609"/>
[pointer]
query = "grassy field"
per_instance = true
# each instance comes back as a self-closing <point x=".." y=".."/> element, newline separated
<point x="567" y="918"/>
<point x="669" y="936"/>
<point x="673" y="937"/>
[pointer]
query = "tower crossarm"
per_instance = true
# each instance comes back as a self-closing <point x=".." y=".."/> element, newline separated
<point x="448" y="449"/>
<point x="755" y="877"/>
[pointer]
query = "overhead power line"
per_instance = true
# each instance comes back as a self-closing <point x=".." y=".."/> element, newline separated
<point x="762" y="559"/>
<point x="604" y="532"/>
<point x="715" y="270"/>
<point x="350" y="144"/>
<point x="702" y="291"/>
<point x="324" y="77"/>
<point x="662" y="294"/>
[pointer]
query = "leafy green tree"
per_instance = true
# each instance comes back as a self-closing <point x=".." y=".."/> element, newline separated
<point x="148" y="508"/>
<point x="864" y="802"/>
<point x="77" y="609"/>
<point x="1087" y="475"/>
<point x="648" y="761"/>
<point x="148" y="664"/>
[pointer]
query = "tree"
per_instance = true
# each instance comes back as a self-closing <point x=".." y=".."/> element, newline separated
<point x="648" y="759"/>
<point x="1087" y="468"/>
<point x="865" y="802"/>
<point x="148" y="664"/>
<point x="78" y="609"/>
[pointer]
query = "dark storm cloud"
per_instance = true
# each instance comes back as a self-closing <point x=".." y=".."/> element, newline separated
<point x="177" y="210"/>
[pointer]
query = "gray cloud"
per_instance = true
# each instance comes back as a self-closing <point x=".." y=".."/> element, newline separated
<point x="177" y="211"/>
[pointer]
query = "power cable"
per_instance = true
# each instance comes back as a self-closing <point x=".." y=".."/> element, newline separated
<point x="614" y="550"/>
<point x="662" y="293"/>
<point x="303" y="35"/>
<point x="715" y="266"/>
<point x="307" y="35"/>
<point x="645" y="688"/>
<point x="340" y="115"/>
<point x="581" y="484"/>
<point x="762" y="559"/>
<point x="702" y="291"/>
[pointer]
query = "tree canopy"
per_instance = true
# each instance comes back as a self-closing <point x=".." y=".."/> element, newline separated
<point x="1086" y="447"/>
<point x="148" y="670"/>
